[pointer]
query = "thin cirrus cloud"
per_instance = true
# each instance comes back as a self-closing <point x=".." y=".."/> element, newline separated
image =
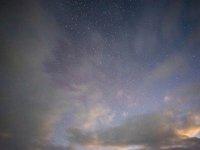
<point x="174" y="64"/>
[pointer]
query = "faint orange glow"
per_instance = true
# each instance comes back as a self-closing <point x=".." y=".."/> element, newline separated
<point x="189" y="132"/>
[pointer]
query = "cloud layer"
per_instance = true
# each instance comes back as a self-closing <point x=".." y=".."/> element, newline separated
<point x="99" y="75"/>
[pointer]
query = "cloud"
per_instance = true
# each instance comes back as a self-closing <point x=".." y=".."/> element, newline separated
<point x="27" y="92"/>
<point x="60" y="148"/>
<point x="160" y="129"/>
<point x="183" y="95"/>
<point x="48" y="74"/>
<point x="92" y="116"/>
<point x="188" y="92"/>
<point x="187" y="144"/>
<point x="172" y="65"/>
<point x="33" y="100"/>
<point x="144" y="129"/>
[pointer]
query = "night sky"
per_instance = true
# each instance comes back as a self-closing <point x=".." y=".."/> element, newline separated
<point x="100" y="75"/>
